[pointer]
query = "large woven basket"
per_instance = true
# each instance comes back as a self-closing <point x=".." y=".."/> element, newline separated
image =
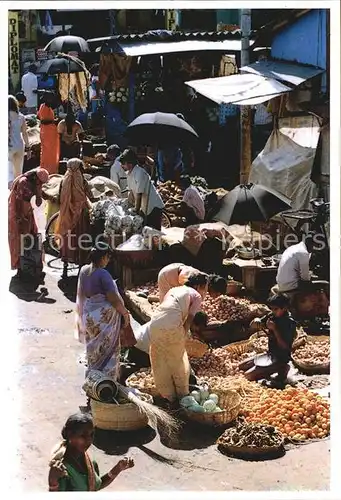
<point x="151" y="391"/>
<point x="195" y="348"/>
<point x="240" y="347"/>
<point x="308" y="369"/>
<point x="119" y="417"/>
<point x="252" y="451"/>
<point x="230" y="403"/>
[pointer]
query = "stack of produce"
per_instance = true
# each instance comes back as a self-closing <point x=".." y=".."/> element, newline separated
<point x="149" y="289"/>
<point x="217" y="362"/>
<point x="142" y="380"/>
<point x="237" y="383"/>
<point x="119" y="218"/>
<point x="313" y="353"/>
<point x="225" y="308"/>
<point x="297" y="413"/>
<point x="201" y="402"/>
<point x="121" y="94"/>
<point x="251" y="435"/>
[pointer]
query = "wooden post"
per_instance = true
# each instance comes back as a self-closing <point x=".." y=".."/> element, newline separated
<point x="245" y="111"/>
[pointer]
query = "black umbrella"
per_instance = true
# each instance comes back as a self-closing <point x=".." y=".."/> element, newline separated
<point x="60" y="65"/>
<point x="68" y="43"/>
<point x="160" y="128"/>
<point x="251" y="203"/>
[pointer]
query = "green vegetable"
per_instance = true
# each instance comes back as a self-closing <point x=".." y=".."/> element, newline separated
<point x="209" y="405"/>
<point x="196" y="408"/>
<point x="196" y="396"/>
<point x="213" y="397"/>
<point x="188" y="401"/>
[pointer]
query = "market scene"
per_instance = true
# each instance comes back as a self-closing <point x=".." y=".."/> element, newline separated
<point x="168" y="244"/>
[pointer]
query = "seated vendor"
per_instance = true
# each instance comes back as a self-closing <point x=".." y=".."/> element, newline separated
<point x="139" y="354"/>
<point x="281" y="331"/>
<point x="293" y="274"/>
<point x="192" y="206"/>
<point x="71" y="133"/>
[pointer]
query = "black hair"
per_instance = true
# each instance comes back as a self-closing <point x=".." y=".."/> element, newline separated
<point x="32" y="68"/>
<point x="200" y="319"/>
<point x="185" y="181"/>
<point x="114" y="148"/>
<point x="20" y="97"/>
<point x="278" y="300"/>
<point x="69" y="121"/>
<point x="98" y="252"/>
<point x="217" y="283"/>
<point x="128" y="156"/>
<point x="196" y="280"/>
<point x="74" y="422"/>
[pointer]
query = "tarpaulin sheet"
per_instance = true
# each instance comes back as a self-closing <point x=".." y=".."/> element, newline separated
<point x="239" y="89"/>
<point x="149" y="48"/>
<point x="286" y="72"/>
<point x="286" y="162"/>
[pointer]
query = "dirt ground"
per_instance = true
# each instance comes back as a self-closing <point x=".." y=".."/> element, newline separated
<point x="50" y="378"/>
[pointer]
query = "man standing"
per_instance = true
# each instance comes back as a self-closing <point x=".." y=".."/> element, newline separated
<point x="117" y="174"/>
<point x="147" y="200"/>
<point x="29" y="85"/>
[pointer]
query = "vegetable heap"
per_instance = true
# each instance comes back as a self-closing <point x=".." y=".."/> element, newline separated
<point x="313" y="353"/>
<point x="201" y="401"/>
<point x="142" y="380"/>
<point x="225" y="308"/>
<point x="251" y="435"/>
<point x="216" y="362"/>
<point x="298" y="413"/>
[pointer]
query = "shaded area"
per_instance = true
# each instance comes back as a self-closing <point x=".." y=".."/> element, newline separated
<point x="118" y="442"/>
<point x="249" y="457"/>
<point x="191" y="436"/>
<point x="69" y="287"/>
<point x="28" y="292"/>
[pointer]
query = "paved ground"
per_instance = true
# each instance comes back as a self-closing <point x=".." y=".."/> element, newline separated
<point x="49" y="379"/>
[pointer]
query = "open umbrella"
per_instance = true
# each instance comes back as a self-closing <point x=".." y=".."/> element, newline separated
<point x="251" y="203"/>
<point x="68" y="43"/>
<point x="60" y="65"/>
<point x="160" y="128"/>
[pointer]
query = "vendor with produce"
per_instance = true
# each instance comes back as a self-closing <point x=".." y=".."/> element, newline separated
<point x="281" y="330"/>
<point x="168" y="328"/>
<point x="147" y="201"/>
<point x="71" y="133"/>
<point x="177" y="274"/>
<point x="192" y="206"/>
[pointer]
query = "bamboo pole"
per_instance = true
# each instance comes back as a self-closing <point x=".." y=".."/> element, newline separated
<point x="245" y="111"/>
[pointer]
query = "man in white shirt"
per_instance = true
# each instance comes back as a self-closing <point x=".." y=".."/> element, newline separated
<point x="29" y="85"/>
<point x="147" y="201"/>
<point x="192" y="203"/>
<point x="117" y="174"/>
<point x="293" y="271"/>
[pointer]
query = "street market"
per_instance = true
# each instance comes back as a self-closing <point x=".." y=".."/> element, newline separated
<point x="168" y="216"/>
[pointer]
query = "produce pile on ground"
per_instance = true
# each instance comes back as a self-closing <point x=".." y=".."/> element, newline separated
<point x="217" y="362"/>
<point x="313" y="353"/>
<point x="297" y="413"/>
<point x="119" y="218"/>
<point x="237" y="383"/>
<point x="201" y="401"/>
<point x="251" y="435"/>
<point x="142" y="380"/>
<point x="225" y="308"/>
<point x="149" y="289"/>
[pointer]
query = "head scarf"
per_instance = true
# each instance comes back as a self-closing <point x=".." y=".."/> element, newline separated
<point x="42" y="174"/>
<point x="73" y="197"/>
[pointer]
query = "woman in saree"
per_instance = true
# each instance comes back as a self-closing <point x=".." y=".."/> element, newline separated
<point x="71" y="467"/>
<point x="100" y="311"/>
<point x="176" y="274"/>
<point x="50" y="145"/>
<point x="73" y="224"/>
<point x="168" y="329"/>
<point x="21" y="221"/>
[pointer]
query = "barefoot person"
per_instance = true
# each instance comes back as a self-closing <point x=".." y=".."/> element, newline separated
<point x="71" y="468"/>
<point x="281" y="331"/>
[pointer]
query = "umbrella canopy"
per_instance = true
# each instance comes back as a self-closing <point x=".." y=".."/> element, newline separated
<point x="60" y="65"/>
<point x="67" y="43"/>
<point x="251" y="203"/>
<point x="160" y="128"/>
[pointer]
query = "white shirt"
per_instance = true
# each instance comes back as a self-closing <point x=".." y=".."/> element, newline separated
<point x="139" y="182"/>
<point x="142" y="335"/>
<point x="17" y="126"/>
<point x="293" y="267"/>
<point x="193" y="199"/>
<point x="29" y="82"/>
<point x="118" y="175"/>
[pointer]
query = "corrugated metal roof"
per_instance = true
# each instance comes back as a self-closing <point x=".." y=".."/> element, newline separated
<point x="246" y="89"/>
<point x="283" y="71"/>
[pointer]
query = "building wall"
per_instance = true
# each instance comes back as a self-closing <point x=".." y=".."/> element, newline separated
<point x="304" y="41"/>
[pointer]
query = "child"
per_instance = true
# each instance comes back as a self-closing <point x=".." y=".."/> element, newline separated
<point x="71" y="468"/>
<point x="281" y="334"/>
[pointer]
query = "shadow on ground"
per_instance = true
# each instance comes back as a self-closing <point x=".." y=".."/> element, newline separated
<point x="118" y="443"/>
<point x="69" y="287"/>
<point x="191" y="436"/>
<point x="29" y="292"/>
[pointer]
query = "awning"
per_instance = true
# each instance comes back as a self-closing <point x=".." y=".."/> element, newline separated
<point x="286" y="72"/>
<point x="243" y="89"/>
<point x="150" y="48"/>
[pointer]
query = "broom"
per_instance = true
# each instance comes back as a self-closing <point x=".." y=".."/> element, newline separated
<point x="154" y="414"/>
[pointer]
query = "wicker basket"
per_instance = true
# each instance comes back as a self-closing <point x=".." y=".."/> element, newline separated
<point x="230" y="401"/>
<point x="323" y="368"/>
<point x="251" y="451"/>
<point x="195" y="348"/>
<point x="122" y="417"/>
<point x="151" y="391"/>
<point x="239" y="347"/>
